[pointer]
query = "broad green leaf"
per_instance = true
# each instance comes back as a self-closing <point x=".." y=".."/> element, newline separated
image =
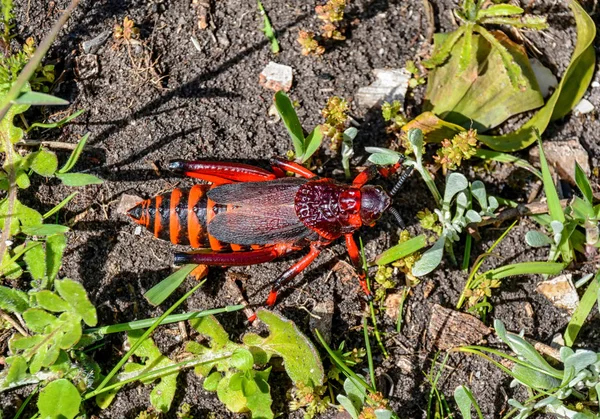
<point x="259" y="401"/>
<point x="313" y="142"/>
<point x="50" y="301"/>
<point x="479" y="94"/>
<point x="17" y="371"/>
<point x="212" y="381"/>
<point x="301" y="360"/>
<point x="27" y="216"/>
<point x="384" y="159"/>
<point x="55" y="247"/>
<point x="45" y="230"/>
<point x="401" y="250"/>
<point x="455" y="183"/>
<point x="22" y="179"/>
<point x="430" y="259"/>
<point x="71" y="331"/>
<point x="38" y="320"/>
<point x="75" y="154"/>
<point x="233" y="399"/>
<point x="35" y="258"/>
<point x="536" y="239"/>
<point x="242" y="359"/>
<point x="78" y="179"/>
<point x="354" y="388"/>
<point x="15" y="134"/>
<point x="348" y="406"/>
<point x="290" y="120"/>
<point x="463" y="399"/>
<point x="12" y="300"/>
<point x="59" y="400"/>
<point x="161" y="291"/>
<point x="39" y="99"/>
<point x="568" y="93"/>
<point x="74" y="294"/>
<point x="583" y="184"/>
<point x="43" y="162"/>
<point x="162" y="394"/>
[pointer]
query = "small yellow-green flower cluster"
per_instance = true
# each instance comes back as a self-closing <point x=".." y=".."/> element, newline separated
<point x="481" y="291"/>
<point x="311" y="399"/>
<point x="336" y="115"/>
<point x="332" y="14"/>
<point x="417" y="78"/>
<point x="309" y="44"/>
<point x="429" y="221"/>
<point x="453" y="152"/>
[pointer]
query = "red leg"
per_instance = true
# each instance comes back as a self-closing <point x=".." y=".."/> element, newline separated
<point x="363" y="177"/>
<point x="355" y="257"/>
<point x="291" y="273"/>
<point x="252" y="257"/>
<point x="280" y="166"/>
<point x="221" y="172"/>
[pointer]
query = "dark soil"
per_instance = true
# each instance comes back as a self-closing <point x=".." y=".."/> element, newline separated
<point x="208" y="104"/>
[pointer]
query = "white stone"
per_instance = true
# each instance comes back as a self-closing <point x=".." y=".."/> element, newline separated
<point x="546" y="80"/>
<point x="390" y="85"/>
<point x="561" y="292"/>
<point x="595" y="84"/>
<point x="584" y="106"/>
<point x="277" y="77"/>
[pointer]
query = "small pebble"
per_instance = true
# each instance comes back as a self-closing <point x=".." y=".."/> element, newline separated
<point x="583" y="107"/>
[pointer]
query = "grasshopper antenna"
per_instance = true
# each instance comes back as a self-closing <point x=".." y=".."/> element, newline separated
<point x="405" y="174"/>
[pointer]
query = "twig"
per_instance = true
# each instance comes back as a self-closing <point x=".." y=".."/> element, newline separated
<point x="13" y="323"/>
<point x="58" y="145"/>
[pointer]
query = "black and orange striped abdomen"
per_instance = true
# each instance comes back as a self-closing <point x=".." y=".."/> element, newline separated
<point x="179" y="216"/>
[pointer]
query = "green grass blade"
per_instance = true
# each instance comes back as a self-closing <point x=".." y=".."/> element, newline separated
<point x="56" y="124"/>
<point x="582" y="311"/>
<point x="286" y="111"/>
<point x="507" y="158"/>
<point x="401" y="250"/>
<point x="161" y="291"/>
<point x="39" y="99"/>
<point x="60" y="205"/>
<point x="369" y="354"/>
<point x="173" y="318"/>
<point x="268" y="29"/>
<point x="554" y="207"/>
<point x="583" y="184"/>
<point x="74" y="155"/>
<point x="526" y="268"/>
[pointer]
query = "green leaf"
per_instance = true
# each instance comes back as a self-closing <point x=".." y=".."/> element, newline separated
<point x="290" y="120"/>
<point x="348" y="406"/>
<point x="455" y="183"/>
<point x="39" y="99"/>
<point x="60" y="205"/>
<point x="59" y="400"/>
<point x="312" y="143"/>
<point x="75" y="154"/>
<point x="44" y="163"/>
<point x="466" y="53"/>
<point x="500" y="10"/>
<point x="15" y="134"/>
<point x="259" y="401"/>
<point x="536" y="239"/>
<point x="74" y="294"/>
<point x="22" y="179"/>
<point x="401" y="250"/>
<point x="27" y="216"/>
<point x="56" y="124"/>
<point x="212" y="381"/>
<point x="526" y="268"/>
<point x="45" y="230"/>
<point x="78" y="179"/>
<point x="242" y="359"/>
<point x="50" y="301"/>
<point x="430" y="259"/>
<point x="17" y="371"/>
<point x="568" y="93"/>
<point x="554" y="208"/>
<point x="55" y="247"/>
<point x="301" y="360"/>
<point x="583" y="184"/>
<point x="163" y="393"/>
<point x="584" y="308"/>
<point x="268" y="29"/>
<point x="464" y="401"/>
<point x="443" y="45"/>
<point x="12" y="300"/>
<point x="485" y="154"/>
<point x="161" y="291"/>
<point x="384" y="159"/>
<point x="38" y="320"/>
<point x="35" y="258"/>
<point x="482" y="95"/>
